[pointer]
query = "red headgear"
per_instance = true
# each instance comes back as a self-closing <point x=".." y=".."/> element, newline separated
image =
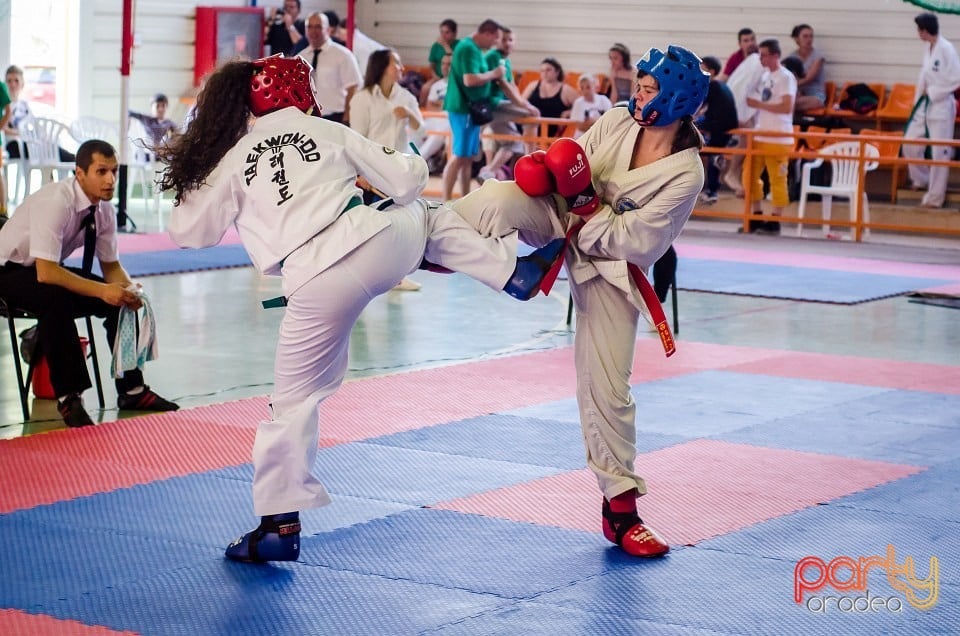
<point x="279" y="82"/>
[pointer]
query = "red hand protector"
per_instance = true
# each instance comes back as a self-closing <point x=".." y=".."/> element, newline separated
<point x="532" y="175"/>
<point x="567" y="162"/>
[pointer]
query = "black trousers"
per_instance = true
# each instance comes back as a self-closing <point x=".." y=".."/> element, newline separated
<point x="665" y="273"/>
<point x="56" y="309"/>
<point x="13" y="151"/>
<point x="717" y="140"/>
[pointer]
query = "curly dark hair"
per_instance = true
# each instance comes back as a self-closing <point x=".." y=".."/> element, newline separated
<point x="222" y="118"/>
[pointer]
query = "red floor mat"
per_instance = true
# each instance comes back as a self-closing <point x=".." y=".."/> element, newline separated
<point x="71" y="463"/>
<point x="17" y="623"/>
<point x="894" y="374"/>
<point x="697" y="490"/>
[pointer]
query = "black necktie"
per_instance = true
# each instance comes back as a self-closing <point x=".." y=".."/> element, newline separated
<point x="316" y="54"/>
<point x="89" y="226"/>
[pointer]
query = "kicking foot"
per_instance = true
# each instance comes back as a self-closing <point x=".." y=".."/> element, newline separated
<point x="277" y="538"/>
<point x="536" y="271"/>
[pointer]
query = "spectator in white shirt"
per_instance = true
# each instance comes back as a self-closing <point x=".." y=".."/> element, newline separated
<point x="589" y="106"/>
<point x="381" y="111"/>
<point x="335" y="71"/>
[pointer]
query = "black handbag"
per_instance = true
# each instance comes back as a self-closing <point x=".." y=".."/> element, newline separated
<point x="480" y="113"/>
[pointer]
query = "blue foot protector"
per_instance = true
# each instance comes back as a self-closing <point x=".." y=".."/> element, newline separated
<point x="276" y="539"/>
<point x="528" y="276"/>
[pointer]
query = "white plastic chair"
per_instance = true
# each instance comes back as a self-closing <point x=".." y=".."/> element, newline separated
<point x="844" y="178"/>
<point x="86" y="128"/>
<point x="143" y="167"/>
<point x="15" y="185"/>
<point x="41" y="136"/>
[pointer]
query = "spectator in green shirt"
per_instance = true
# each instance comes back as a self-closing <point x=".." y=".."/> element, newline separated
<point x="443" y="46"/>
<point x="470" y="81"/>
<point x="5" y="113"/>
<point x="509" y="105"/>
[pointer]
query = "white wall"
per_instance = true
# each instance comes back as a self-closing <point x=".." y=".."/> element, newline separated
<point x="869" y="40"/>
<point x="164" y="36"/>
<point x="872" y="40"/>
<point x="6" y="10"/>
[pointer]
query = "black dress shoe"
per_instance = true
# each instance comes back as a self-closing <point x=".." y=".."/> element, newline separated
<point x="146" y="400"/>
<point x="73" y="413"/>
<point x="754" y="227"/>
<point x="770" y="228"/>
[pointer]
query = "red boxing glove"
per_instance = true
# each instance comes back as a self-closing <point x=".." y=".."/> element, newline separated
<point x="567" y="162"/>
<point x="532" y="175"/>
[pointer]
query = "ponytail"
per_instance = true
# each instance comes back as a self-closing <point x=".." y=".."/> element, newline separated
<point x="688" y="136"/>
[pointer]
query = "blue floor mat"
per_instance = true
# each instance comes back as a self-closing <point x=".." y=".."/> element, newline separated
<point x="379" y="560"/>
<point x="713" y="403"/>
<point x="525" y="618"/>
<point x="176" y="261"/>
<point x="794" y="283"/>
<point x="36" y="578"/>
<point x="904" y="427"/>
<point x="841" y="529"/>
<point x="508" y="438"/>
<point x="503" y="558"/>
<point x="215" y="597"/>
<point x="732" y="592"/>
<point x="932" y="494"/>
<point x="409" y="476"/>
<point x="224" y="500"/>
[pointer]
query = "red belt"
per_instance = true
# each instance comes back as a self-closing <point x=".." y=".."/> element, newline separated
<point x="646" y="292"/>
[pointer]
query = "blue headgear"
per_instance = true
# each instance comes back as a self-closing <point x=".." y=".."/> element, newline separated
<point x="683" y="85"/>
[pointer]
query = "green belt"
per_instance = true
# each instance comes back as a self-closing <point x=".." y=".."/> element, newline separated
<point x="352" y="203"/>
<point x="281" y="301"/>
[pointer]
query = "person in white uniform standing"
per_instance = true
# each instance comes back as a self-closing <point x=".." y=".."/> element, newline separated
<point x="934" y="111"/>
<point x="382" y="111"/>
<point x="646" y="177"/>
<point x="287" y="182"/>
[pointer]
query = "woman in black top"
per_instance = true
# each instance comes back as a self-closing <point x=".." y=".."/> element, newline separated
<point x="550" y="95"/>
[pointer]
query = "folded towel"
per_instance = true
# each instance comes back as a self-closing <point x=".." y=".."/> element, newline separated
<point x="135" y="343"/>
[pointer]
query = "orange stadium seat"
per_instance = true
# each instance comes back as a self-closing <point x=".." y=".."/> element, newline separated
<point x="899" y="103"/>
<point x="527" y="77"/>
<point x="831" y="88"/>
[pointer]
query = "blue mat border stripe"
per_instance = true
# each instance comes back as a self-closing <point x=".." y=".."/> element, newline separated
<point x="702" y="275"/>
<point x="178" y="261"/>
<point x="794" y="283"/>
